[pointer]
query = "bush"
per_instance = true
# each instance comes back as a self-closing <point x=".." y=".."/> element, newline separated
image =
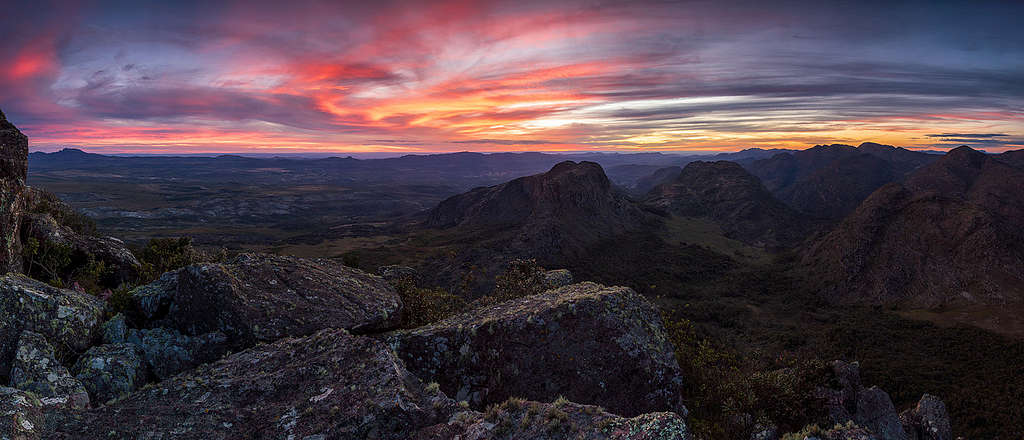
<point x="727" y="394"/>
<point x="166" y="254"/>
<point x="426" y="305"/>
<point x="522" y="277"/>
<point x="49" y="203"/>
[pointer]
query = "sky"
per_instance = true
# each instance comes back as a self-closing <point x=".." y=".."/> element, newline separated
<point x="389" y="76"/>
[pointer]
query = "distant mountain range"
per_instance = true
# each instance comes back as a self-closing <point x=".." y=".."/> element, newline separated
<point x="829" y="181"/>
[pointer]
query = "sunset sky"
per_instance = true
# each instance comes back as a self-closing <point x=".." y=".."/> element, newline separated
<point x="409" y="77"/>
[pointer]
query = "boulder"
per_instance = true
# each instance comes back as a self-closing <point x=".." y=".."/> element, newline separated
<point x="168" y="352"/>
<point x="115" y="330"/>
<point x="36" y="369"/>
<point x="330" y="385"/>
<point x="69" y="320"/>
<point x="13" y="171"/>
<point x="876" y="412"/>
<point x="153" y="301"/>
<point x="928" y="420"/>
<point x="590" y="343"/>
<point x="261" y="298"/>
<point x="21" y="415"/>
<point x="872" y="409"/>
<point x="517" y="419"/>
<point x="111" y="371"/>
<point x="392" y="273"/>
<point x="554" y="279"/>
<point x="122" y="265"/>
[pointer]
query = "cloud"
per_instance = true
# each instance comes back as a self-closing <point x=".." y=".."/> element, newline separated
<point x="494" y="75"/>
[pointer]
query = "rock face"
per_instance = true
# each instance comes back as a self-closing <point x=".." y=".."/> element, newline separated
<point x="13" y="171"/>
<point x="950" y="234"/>
<point x="829" y="181"/>
<point x="928" y="420"/>
<point x="735" y="200"/>
<point x="592" y="344"/>
<point x="67" y="319"/>
<point x="872" y="408"/>
<point x="329" y="385"/>
<point x="556" y="278"/>
<point x="111" y="371"/>
<point x="261" y="298"/>
<point x="21" y="415"/>
<point x="517" y="419"/>
<point x="36" y="369"/>
<point x="168" y="352"/>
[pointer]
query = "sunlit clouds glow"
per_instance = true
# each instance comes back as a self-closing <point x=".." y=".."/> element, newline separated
<point x="504" y="76"/>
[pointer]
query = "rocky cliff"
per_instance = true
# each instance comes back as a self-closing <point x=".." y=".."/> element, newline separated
<point x="13" y="170"/>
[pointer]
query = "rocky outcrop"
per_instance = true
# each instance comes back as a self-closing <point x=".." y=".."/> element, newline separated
<point x="393" y="273"/>
<point x="68" y="320"/>
<point x="261" y="298"/>
<point x="13" y="171"/>
<point x="36" y="369"/>
<point x="928" y="420"/>
<point x="590" y="343"/>
<point x="328" y="385"/>
<point x="871" y="408"/>
<point x="950" y="234"/>
<point x="111" y="371"/>
<point x="21" y="415"/>
<point x="517" y="419"/>
<point x="556" y="278"/>
<point x="335" y="385"/>
<point x="733" y="199"/>
<point x="168" y="352"/>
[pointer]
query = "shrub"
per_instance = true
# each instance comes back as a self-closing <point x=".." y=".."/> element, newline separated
<point x="426" y="305"/>
<point x="49" y="203"/>
<point x="166" y="254"/>
<point x="522" y="277"/>
<point x="726" y="393"/>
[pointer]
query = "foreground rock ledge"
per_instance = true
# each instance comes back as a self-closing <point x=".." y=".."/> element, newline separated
<point x="261" y="298"/>
<point x="589" y="343"/>
<point x="332" y="384"/>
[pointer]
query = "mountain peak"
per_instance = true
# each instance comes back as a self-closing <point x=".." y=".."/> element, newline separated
<point x="965" y="155"/>
<point x="570" y="190"/>
<point x="734" y="199"/>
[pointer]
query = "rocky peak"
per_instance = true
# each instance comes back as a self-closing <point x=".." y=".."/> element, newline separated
<point x="568" y="191"/>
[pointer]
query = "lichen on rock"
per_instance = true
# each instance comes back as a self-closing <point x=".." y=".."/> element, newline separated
<point x="68" y="320"/>
<point x="590" y="343"/>
<point x="37" y="370"/>
<point x="111" y="371"/>
<point x="261" y="298"/>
